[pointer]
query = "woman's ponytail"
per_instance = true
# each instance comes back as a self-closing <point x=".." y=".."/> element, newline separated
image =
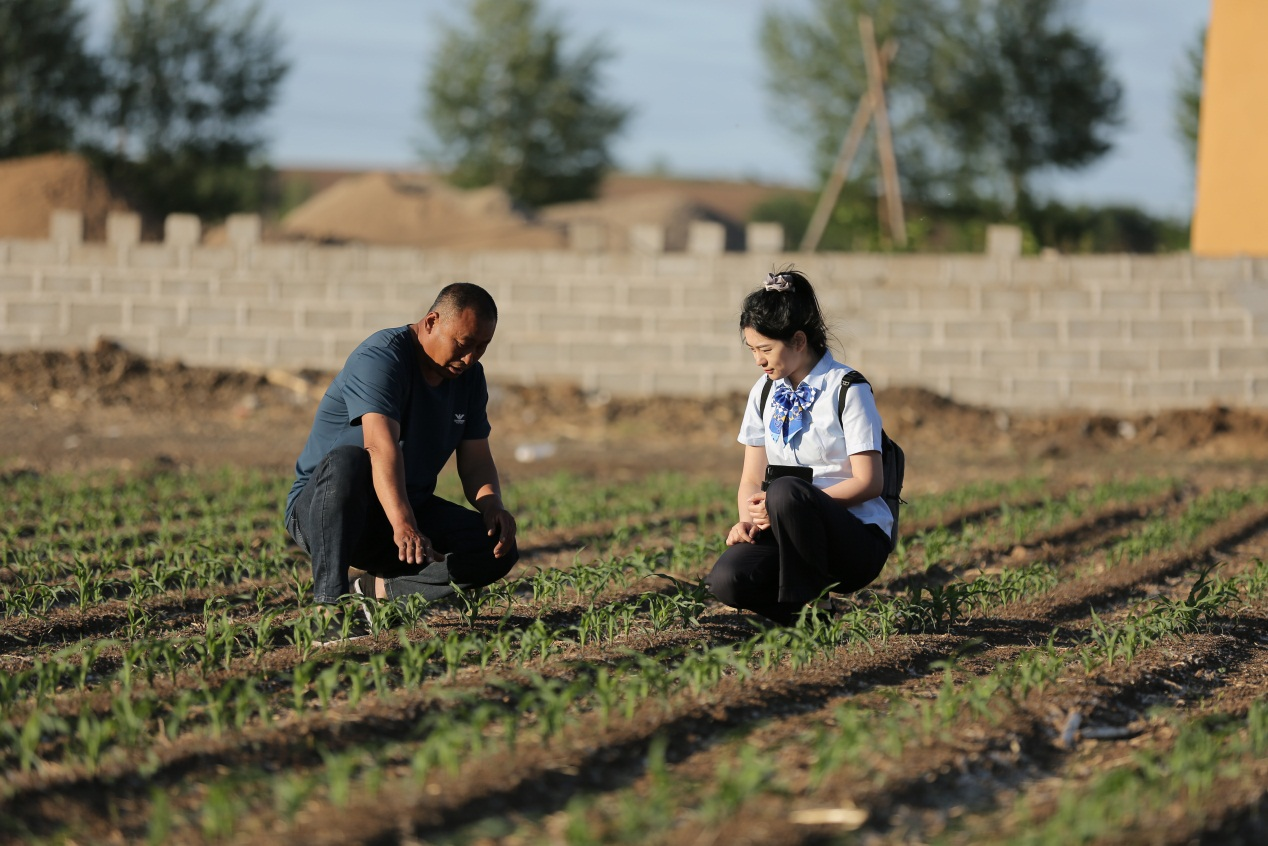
<point x="785" y="305"/>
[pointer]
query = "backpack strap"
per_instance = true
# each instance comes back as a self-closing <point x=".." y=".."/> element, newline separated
<point x="761" y="406"/>
<point x="852" y="378"/>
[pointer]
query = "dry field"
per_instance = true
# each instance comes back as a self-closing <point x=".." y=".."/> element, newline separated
<point x="1069" y="646"/>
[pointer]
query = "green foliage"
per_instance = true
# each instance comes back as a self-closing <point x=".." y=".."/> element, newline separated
<point x="510" y="107"/>
<point x="977" y="90"/>
<point x="1019" y="89"/>
<point x="217" y="656"/>
<point x="1166" y="532"/>
<point x="1175" y="783"/>
<point x="1104" y="229"/>
<point x="1188" y="96"/>
<point x="189" y="82"/>
<point x="1207" y="603"/>
<point x="816" y="72"/>
<point x="961" y="228"/>
<point x="211" y="182"/>
<point x="48" y="78"/>
<point x="735" y="782"/>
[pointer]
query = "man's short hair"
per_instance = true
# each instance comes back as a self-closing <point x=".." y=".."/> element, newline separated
<point x="457" y="297"/>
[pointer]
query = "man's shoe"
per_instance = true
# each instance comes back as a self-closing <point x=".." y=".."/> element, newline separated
<point x="340" y="626"/>
<point x="367" y="599"/>
<point x="818" y="612"/>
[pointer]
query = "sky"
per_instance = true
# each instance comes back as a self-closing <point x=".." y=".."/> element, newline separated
<point x="693" y="74"/>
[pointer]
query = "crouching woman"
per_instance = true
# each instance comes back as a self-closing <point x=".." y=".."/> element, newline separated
<point x="820" y="522"/>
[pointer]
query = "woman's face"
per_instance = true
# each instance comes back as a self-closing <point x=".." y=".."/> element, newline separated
<point x="780" y="359"/>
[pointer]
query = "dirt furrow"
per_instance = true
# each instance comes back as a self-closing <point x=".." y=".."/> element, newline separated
<point x="979" y="764"/>
<point x="245" y="665"/>
<point x="181" y="609"/>
<point x="697" y="725"/>
<point x="586" y="746"/>
<point x="957" y="518"/>
<point x="1232" y="805"/>
<point x="1071" y="600"/>
<point x="67" y="625"/>
<point x="1170" y="674"/>
<point x="1097" y="528"/>
<point x="1243" y="684"/>
<point x="1074" y="538"/>
<point x="1235" y="815"/>
<point x="590" y="756"/>
<point x="175" y="609"/>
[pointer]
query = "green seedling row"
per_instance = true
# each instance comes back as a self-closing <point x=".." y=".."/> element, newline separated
<point x="859" y="747"/>
<point x="550" y="659"/>
<point x="1021" y="523"/>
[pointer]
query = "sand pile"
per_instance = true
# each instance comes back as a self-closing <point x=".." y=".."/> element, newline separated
<point x="422" y="210"/>
<point x="419" y="211"/>
<point x="32" y="188"/>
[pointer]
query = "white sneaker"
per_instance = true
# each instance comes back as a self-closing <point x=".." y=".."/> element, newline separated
<point x="366" y="599"/>
<point x="338" y="627"/>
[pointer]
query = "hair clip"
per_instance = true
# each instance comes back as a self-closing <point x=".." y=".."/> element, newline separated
<point x="778" y="282"/>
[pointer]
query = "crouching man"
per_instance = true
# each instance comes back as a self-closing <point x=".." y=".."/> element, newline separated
<point x="364" y="494"/>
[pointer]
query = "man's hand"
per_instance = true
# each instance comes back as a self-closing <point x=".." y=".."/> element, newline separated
<point x="387" y="466"/>
<point x="412" y="546"/>
<point x="742" y="533"/>
<point x="757" y="510"/>
<point x="501" y="525"/>
<point x="480" y="484"/>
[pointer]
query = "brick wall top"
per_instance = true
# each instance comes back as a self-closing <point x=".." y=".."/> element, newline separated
<point x="1115" y="332"/>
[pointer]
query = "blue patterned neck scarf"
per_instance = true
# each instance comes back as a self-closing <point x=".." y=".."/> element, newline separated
<point x="789" y="416"/>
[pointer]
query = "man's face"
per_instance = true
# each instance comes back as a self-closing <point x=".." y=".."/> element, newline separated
<point x="453" y="342"/>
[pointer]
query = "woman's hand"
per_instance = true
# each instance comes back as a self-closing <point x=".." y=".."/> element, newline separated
<point x="742" y="533"/>
<point x="757" y="510"/>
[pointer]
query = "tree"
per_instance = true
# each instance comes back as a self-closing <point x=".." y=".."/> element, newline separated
<point x="190" y="81"/>
<point x="509" y="107"/>
<point x="983" y="93"/>
<point x="48" y="79"/>
<point x="816" y="73"/>
<point x="1188" y="97"/>
<point x="1030" y="92"/>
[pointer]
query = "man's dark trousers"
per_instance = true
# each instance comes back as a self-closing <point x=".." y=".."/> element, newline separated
<point x="339" y="521"/>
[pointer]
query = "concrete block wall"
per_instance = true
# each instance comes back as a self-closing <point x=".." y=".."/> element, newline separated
<point x="1120" y="333"/>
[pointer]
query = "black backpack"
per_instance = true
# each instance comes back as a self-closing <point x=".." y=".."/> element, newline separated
<point x="893" y="460"/>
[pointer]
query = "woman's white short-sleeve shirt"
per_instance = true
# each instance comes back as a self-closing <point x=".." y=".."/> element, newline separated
<point x="825" y="445"/>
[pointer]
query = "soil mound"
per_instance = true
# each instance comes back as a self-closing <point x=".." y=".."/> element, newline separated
<point x="669" y="209"/>
<point x="421" y="209"/>
<point x="417" y="210"/>
<point x="937" y="422"/>
<point x="109" y="377"/>
<point x="32" y="188"/>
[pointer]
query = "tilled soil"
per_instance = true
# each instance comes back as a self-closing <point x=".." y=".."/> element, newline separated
<point x="106" y="407"/>
<point x="990" y="775"/>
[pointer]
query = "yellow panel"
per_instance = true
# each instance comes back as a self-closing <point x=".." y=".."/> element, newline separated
<point x="1231" y="215"/>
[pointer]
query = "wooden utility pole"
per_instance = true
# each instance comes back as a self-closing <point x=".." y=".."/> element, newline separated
<point x="845" y="157"/>
<point x="884" y="140"/>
